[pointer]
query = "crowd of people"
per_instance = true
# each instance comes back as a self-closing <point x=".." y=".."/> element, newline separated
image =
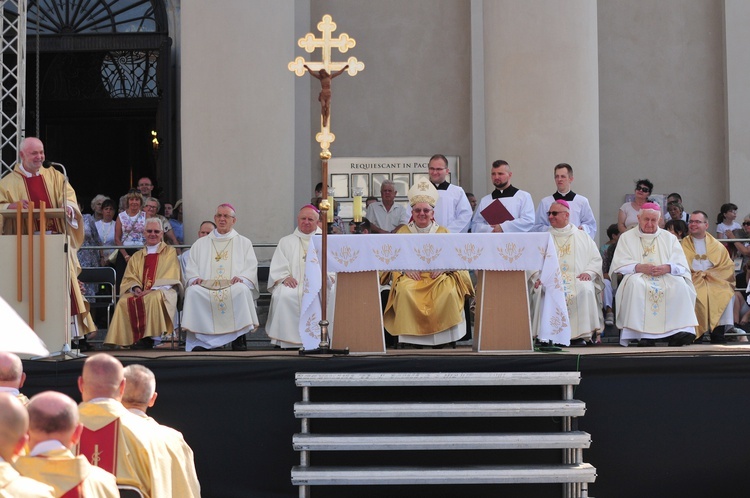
<point x="50" y="446"/>
<point x="656" y="278"/>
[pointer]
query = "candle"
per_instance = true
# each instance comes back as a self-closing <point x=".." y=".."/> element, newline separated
<point x="357" y="208"/>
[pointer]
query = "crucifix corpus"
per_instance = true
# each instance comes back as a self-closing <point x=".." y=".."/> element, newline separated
<point x="325" y="71"/>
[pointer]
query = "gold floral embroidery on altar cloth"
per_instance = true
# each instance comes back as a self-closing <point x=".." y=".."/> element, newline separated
<point x="558" y="322"/>
<point x="312" y="327"/>
<point x="428" y="253"/>
<point x="345" y="255"/>
<point x="469" y="253"/>
<point x="511" y="252"/>
<point x="543" y="252"/>
<point x="386" y="254"/>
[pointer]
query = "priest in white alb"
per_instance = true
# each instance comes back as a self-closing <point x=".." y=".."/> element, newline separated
<point x="656" y="297"/>
<point x="222" y="286"/>
<point x="286" y="279"/>
<point x="581" y="269"/>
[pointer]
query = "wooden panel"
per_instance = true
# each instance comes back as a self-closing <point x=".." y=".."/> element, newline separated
<point x="358" y="317"/>
<point x="502" y="320"/>
<point x="53" y="330"/>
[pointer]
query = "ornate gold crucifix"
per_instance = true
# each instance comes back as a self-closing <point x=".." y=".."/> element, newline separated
<point x="325" y="71"/>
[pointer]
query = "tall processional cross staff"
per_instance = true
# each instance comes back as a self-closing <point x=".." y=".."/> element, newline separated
<point x="324" y="71"/>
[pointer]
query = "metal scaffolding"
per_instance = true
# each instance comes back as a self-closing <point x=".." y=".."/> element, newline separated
<point x="13" y="78"/>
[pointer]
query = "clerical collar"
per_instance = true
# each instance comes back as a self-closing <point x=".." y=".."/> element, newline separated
<point x="152" y="249"/>
<point x="27" y="173"/>
<point x="136" y="411"/>
<point x="218" y="235"/>
<point x="508" y="192"/>
<point x="442" y="186"/>
<point x="565" y="197"/>
<point x="10" y="390"/>
<point x="45" y="446"/>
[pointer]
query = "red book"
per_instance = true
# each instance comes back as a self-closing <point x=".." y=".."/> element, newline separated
<point x="496" y="213"/>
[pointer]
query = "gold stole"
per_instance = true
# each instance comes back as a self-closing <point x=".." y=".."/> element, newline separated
<point x="567" y="258"/>
<point x="656" y="311"/>
<point x="222" y="309"/>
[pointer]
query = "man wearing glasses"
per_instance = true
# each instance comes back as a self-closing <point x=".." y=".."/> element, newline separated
<point x="221" y="278"/>
<point x="452" y="210"/>
<point x="713" y="277"/>
<point x="518" y="203"/>
<point x="581" y="269"/>
<point x="149" y="289"/>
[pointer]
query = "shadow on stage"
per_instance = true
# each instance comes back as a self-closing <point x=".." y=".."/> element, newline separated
<point x="664" y="422"/>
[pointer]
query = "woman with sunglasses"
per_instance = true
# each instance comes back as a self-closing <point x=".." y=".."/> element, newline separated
<point x="627" y="217"/>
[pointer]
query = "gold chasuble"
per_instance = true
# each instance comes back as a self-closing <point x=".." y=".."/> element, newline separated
<point x="50" y="186"/>
<point x="429" y="305"/>
<point x="113" y="438"/>
<point x="71" y="476"/>
<point x="150" y="314"/>
<point x="714" y="286"/>
<point x="13" y="485"/>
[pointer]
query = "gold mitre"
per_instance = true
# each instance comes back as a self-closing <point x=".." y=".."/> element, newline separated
<point x="423" y="191"/>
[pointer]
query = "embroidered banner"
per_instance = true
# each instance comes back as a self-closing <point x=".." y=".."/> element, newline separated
<point x="428" y="252"/>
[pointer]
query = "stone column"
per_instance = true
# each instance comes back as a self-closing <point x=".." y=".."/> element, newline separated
<point x="541" y="93"/>
<point x="736" y="19"/>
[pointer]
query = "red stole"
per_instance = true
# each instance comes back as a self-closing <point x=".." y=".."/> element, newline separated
<point x="37" y="191"/>
<point x="76" y="492"/>
<point x="136" y="309"/>
<point x="100" y="447"/>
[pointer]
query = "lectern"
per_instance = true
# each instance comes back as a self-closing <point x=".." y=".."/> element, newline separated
<point x="34" y="278"/>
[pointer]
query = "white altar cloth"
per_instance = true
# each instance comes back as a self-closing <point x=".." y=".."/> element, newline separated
<point x="427" y="252"/>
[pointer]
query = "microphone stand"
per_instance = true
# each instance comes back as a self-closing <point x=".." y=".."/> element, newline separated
<point x="65" y="351"/>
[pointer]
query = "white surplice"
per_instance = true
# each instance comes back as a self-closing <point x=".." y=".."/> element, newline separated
<point x="214" y="317"/>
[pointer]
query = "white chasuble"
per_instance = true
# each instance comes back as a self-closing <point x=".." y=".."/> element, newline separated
<point x="651" y="305"/>
<point x="217" y="307"/>
<point x="283" y="316"/>
<point x="576" y="254"/>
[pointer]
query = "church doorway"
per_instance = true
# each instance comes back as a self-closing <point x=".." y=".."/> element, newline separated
<point x="100" y="95"/>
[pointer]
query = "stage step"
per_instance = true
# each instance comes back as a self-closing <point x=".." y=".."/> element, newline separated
<point x="310" y="379"/>
<point x="510" y="474"/>
<point x="400" y="398"/>
<point x="457" y="441"/>
<point x="571" y="408"/>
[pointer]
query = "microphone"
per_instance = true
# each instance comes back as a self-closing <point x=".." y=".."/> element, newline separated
<point x="51" y="164"/>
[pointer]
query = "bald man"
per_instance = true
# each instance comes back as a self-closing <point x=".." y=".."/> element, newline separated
<point x="12" y="376"/>
<point x="14" y="422"/>
<point x="285" y="281"/>
<point x="115" y="439"/>
<point x="54" y="430"/>
<point x="30" y="182"/>
<point x="140" y="395"/>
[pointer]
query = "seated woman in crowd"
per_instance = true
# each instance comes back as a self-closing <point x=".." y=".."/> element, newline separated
<point x="105" y="227"/>
<point x="129" y="231"/>
<point x="627" y="217"/>
<point x="426" y="308"/>
<point x="726" y="220"/>
<point x="676" y="212"/>
<point x="677" y="227"/>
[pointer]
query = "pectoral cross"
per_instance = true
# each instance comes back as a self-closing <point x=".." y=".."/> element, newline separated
<point x="326" y="70"/>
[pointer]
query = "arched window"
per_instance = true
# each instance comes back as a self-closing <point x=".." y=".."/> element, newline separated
<point x="92" y="16"/>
